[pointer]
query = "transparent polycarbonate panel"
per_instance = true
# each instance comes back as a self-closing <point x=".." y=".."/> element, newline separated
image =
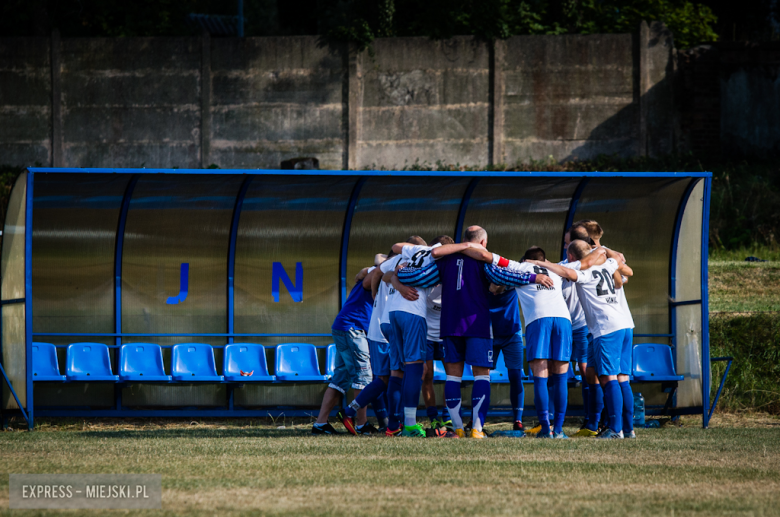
<point x="389" y="210"/>
<point x="13" y="242"/>
<point x="688" y="280"/>
<point x="177" y="233"/>
<point x="638" y="217"/>
<point x="74" y="237"/>
<point x="522" y="212"/>
<point x="14" y="356"/>
<point x="179" y="395"/>
<point x="95" y="395"/>
<point x="288" y="220"/>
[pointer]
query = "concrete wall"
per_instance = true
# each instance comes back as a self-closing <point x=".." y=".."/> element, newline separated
<point x="250" y="103"/>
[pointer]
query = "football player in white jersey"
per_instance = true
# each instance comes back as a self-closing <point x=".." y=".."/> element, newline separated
<point x="592" y="394"/>
<point x="612" y="328"/>
<point x="420" y="256"/>
<point x="548" y="337"/>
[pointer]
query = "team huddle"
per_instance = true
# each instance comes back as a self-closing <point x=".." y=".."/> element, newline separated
<point x="461" y="304"/>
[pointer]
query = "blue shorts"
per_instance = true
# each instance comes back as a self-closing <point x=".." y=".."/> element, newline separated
<point x="613" y="352"/>
<point x="410" y="340"/>
<point x="476" y="351"/>
<point x="435" y="351"/>
<point x="512" y="346"/>
<point x="353" y="362"/>
<point x="380" y="357"/>
<point x="548" y="338"/>
<point x="579" y="344"/>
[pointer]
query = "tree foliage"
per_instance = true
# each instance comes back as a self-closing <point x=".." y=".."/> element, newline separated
<point x="361" y="21"/>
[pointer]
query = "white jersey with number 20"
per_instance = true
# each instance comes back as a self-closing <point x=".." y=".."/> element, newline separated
<point x="600" y="300"/>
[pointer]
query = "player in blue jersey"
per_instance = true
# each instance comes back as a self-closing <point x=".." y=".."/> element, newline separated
<point x="465" y="319"/>
<point x="507" y="338"/>
<point x="353" y="366"/>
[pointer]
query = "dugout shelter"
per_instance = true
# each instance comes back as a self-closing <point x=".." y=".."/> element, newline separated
<point x="96" y="259"/>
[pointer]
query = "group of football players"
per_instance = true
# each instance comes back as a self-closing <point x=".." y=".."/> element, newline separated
<point x="461" y="304"/>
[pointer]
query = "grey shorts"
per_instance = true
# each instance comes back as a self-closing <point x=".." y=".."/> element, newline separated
<point x="353" y="360"/>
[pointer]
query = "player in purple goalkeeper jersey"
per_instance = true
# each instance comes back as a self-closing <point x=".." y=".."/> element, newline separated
<point x="465" y="319"/>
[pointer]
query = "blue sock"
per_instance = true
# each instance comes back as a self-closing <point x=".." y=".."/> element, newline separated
<point x="550" y="398"/>
<point x="613" y="400"/>
<point x="585" y="399"/>
<point x="561" y="396"/>
<point x="452" y="399"/>
<point x="433" y="412"/>
<point x="541" y="403"/>
<point x="380" y="408"/>
<point x="480" y="400"/>
<point x="370" y="393"/>
<point x="516" y="393"/>
<point x="412" y="387"/>
<point x="628" y="407"/>
<point x="595" y="405"/>
<point x="394" y="406"/>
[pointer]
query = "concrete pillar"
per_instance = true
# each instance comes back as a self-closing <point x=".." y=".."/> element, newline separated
<point x="354" y="100"/>
<point x="56" y="101"/>
<point x="205" y="100"/>
<point x="496" y="110"/>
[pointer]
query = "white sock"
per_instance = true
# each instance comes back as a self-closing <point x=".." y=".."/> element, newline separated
<point x="410" y="416"/>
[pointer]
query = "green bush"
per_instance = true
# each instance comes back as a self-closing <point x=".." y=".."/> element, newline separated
<point x="753" y="340"/>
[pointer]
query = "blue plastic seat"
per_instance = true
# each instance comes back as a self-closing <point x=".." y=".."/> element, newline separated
<point x="45" y="365"/>
<point x="142" y="362"/>
<point x="194" y="362"/>
<point x="499" y="374"/>
<point x="331" y="360"/>
<point x="246" y="357"/>
<point x="89" y="362"/>
<point x="439" y="375"/>
<point x="297" y="362"/>
<point x="468" y="374"/>
<point x="654" y="363"/>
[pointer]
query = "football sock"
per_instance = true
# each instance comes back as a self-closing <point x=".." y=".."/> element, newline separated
<point x="595" y="406"/>
<point x="394" y="406"/>
<point x="380" y="408"/>
<point x="541" y="402"/>
<point x="550" y="398"/>
<point x="628" y="407"/>
<point x="433" y="412"/>
<point x="516" y="393"/>
<point x="412" y="387"/>
<point x="480" y="400"/>
<point x="561" y="395"/>
<point x="586" y="399"/>
<point x="369" y="394"/>
<point x="452" y="400"/>
<point x="613" y="400"/>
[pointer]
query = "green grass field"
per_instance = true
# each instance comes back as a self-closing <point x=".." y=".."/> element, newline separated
<point x="231" y="467"/>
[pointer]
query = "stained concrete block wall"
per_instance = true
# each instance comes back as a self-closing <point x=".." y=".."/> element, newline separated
<point x="252" y="102"/>
<point x="567" y="97"/>
<point x="25" y="101"/>
<point x="131" y="102"/>
<point x="424" y="100"/>
<point x="277" y="98"/>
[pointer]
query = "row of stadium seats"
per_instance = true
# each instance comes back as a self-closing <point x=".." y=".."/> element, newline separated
<point x="295" y="362"/>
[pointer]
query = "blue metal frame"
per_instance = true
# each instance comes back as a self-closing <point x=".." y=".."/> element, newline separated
<point x="355" y="195"/>
<point x="575" y="200"/>
<point x="366" y="174"/>
<point x="464" y="206"/>
<point x="118" y="250"/>
<point x="28" y="329"/>
<point x="353" y="198"/>
<point x="232" y="253"/>
<point x="705" y="303"/>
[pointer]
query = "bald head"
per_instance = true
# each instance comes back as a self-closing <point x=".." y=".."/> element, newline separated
<point x="475" y="234"/>
<point x="578" y="250"/>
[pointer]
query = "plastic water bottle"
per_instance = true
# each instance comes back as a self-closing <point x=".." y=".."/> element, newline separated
<point x="639" y="410"/>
